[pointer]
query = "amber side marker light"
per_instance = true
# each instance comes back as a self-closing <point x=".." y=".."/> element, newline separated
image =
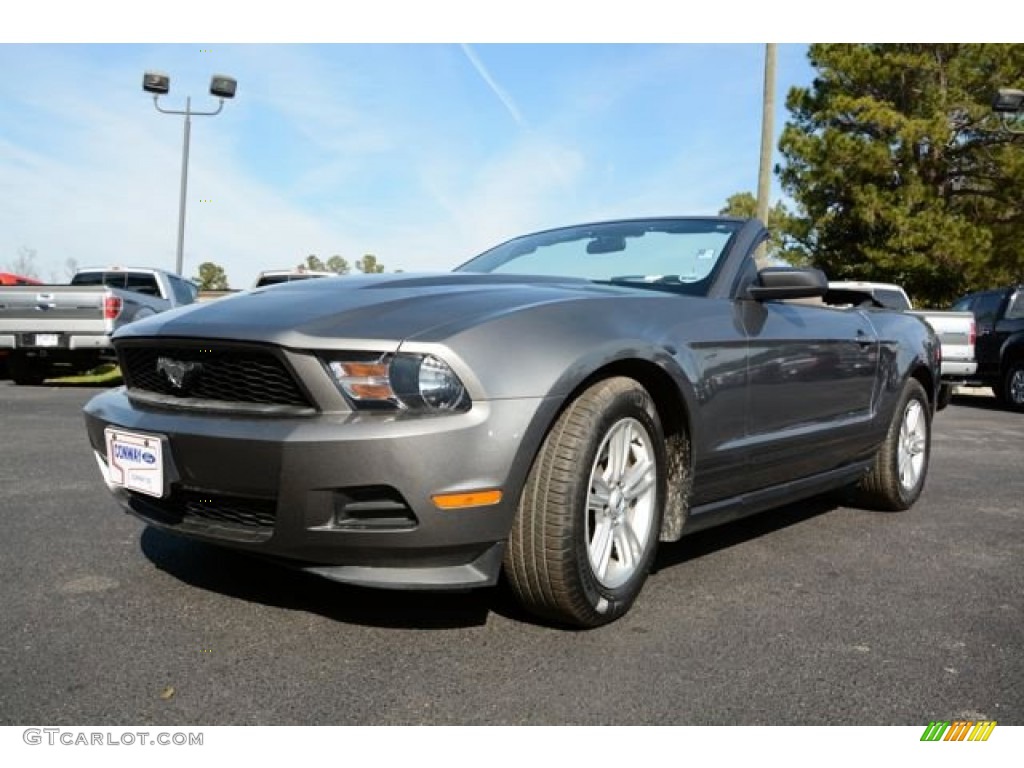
<point x="465" y="500"/>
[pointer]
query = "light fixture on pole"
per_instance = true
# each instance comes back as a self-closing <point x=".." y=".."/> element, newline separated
<point x="1009" y="105"/>
<point x="159" y="84"/>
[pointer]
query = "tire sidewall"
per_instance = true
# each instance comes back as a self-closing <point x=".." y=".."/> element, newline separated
<point x="945" y="396"/>
<point x="1007" y="389"/>
<point x="608" y="603"/>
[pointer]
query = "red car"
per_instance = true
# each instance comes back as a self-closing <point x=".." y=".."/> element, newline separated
<point x="6" y="278"/>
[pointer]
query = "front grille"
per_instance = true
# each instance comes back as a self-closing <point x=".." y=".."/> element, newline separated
<point x="234" y="517"/>
<point x="226" y="373"/>
<point x="246" y="513"/>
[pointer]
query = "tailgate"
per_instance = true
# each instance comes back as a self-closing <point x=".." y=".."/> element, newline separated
<point x="956" y="334"/>
<point x="53" y="309"/>
<point x="955" y="330"/>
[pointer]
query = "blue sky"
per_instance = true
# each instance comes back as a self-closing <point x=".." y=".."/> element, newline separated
<point x="369" y="128"/>
<point x="422" y="154"/>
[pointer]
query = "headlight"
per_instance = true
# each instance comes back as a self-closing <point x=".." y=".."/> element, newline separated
<point x="402" y="381"/>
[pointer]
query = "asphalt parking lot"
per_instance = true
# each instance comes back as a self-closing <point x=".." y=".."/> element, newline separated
<point x="812" y="614"/>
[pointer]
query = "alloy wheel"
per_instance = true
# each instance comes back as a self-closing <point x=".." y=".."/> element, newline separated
<point x="621" y="502"/>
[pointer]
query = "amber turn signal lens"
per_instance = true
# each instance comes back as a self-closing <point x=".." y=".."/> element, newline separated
<point x="364" y="370"/>
<point x="465" y="500"/>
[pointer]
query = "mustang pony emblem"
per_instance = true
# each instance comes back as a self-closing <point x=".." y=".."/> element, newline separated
<point x="178" y="373"/>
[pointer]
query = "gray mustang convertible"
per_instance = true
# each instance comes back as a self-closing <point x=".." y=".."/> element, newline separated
<point x="551" y="410"/>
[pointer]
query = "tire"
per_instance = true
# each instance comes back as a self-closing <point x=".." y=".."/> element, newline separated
<point x="897" y="476"/>
<point x="1012" y="390"/>
<point x="945" y="396"/>
<point x="26" y="371"/>
<point x="589" y="517"/>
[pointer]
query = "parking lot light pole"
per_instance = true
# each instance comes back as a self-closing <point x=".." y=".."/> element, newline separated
<point x="1009" y="105"/>
<point x="159" y="84"/>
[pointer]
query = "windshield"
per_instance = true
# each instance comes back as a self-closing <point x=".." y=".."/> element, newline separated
<point x="666" y="254"/>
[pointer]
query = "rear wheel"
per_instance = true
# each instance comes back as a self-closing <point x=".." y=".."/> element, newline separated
<point x="589" y="517"/>
<point x="897" y="476"/>
<point x="26" y="370"/>
<point x="945" y="396"/>
<point x="1012" y="391"/>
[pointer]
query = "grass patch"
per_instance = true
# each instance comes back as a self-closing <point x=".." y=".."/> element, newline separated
<point x="108" y="375"/>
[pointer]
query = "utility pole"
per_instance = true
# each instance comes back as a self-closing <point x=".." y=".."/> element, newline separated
<point x="764" y="175"/>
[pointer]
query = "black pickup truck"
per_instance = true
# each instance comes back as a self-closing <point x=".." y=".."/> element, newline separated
<point x="999" y="349"/>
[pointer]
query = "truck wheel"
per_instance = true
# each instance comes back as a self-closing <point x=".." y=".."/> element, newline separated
<point x="589" y="517"/>
<point x="945" y="396"/>
<point x="897" y="476"/>
<point x="26" y="370"/>
<point x="1012" y="392"/>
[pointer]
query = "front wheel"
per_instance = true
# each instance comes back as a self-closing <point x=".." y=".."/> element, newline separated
<point x="897" y="476"/>
<point x="588" y="520"/>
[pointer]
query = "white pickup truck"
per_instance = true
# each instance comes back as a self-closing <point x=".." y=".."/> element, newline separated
<point x="276" y="276"/>
<point x="49" y="328"/>
<point x="956" y="330"/>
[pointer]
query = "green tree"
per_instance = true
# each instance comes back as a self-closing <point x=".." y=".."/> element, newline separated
<point x="368" y="265"/>
<point x="901" y="172"/>
<point x="314" y="263"/>
<point x="211" y="277"/>
<point x="338" y="265"/>
<point x="782" y="226"/>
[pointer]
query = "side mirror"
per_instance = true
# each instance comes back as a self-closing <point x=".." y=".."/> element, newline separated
<point x="775" y="283"/>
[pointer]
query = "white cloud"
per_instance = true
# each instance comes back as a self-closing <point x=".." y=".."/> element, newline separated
<point x="498" y="91"/>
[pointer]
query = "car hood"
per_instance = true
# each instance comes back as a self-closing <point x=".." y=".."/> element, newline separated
<point x="331" y="313"/>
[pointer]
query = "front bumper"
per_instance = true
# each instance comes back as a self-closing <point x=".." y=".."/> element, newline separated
<point x="345" y="495"/>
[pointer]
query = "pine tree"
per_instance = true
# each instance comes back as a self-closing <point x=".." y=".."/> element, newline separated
<point x="901" y="171"/>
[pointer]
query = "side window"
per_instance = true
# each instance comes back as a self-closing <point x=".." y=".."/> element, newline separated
<point x="986" y="306"/>
<point x="142" y="283"/>
<point x="114" y="279"/>
<point x="1016" y="309"/>
<point x="963" y="305"/>
<point x="891" y="299"/>
<point x="87" y="278"/>
<point x="184" y="291"/>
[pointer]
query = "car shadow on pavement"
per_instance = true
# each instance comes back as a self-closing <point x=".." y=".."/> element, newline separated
<point x="698" y="545"/>
<point x="981" y="402"/>
<point x="255" y="580"/>
<point x="59" y="384"/>
<point x="713" y="539"/>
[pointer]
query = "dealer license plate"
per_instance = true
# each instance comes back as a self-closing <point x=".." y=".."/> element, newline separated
<point x="135" y="461"/>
